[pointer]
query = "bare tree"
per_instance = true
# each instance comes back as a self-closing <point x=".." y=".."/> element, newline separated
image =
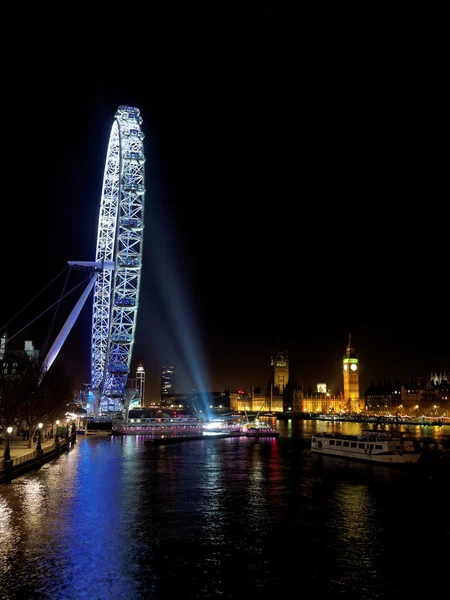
<point x="10" y="392"/>
<point x="45" y="397"/>
<point x="30" y="397"/>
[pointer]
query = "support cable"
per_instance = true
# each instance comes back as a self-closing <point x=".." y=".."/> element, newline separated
<point x="47" y="309"/>
<point x="52" y="324"/>
<point x="43" y="290"/>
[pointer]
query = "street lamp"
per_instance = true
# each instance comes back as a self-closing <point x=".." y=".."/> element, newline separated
<point x="7" y="452"/>
<point x="56" y="436"/>
<point x="39" y="447"/>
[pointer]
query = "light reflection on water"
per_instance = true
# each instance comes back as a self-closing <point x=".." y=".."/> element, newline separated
<point x="123" y="518"/>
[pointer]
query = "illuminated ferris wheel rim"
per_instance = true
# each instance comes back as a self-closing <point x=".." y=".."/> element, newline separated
<point x="119" y="241"/>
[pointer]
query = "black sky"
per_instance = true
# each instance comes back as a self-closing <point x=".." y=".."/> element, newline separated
<point x="295" y="185"/>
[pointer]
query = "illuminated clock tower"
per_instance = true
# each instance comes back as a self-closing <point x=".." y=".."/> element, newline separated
<point x="279" y="363"/>
<point x="350" y="370"/>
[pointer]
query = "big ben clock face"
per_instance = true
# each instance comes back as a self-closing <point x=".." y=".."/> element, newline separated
<point x="353" y="367"/>
<point x="345" y="367"/>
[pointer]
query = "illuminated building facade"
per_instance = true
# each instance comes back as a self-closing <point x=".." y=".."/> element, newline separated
<point x="256" y="401"/>
<point x="31" y="351"/>
<point x="350" y="371"/>
<point x="322" y="403"/>
<point x="140" y="380"/>
<point x="385" y="398"/>
<point x="13" y="361"/>
<point x="240" y="401"/>
<point x="272" y="400"/>
<point x="442" y="378"/>
<point x="413" y="398"/>
<point x="167" y="385"/>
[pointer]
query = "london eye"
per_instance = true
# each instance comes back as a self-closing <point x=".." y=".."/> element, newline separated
<point x="119" y="254"/>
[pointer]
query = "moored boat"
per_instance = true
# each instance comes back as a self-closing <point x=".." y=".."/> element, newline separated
<point x="386" y="447"/>
<point x="260" y="431"/>
<point x="159" y="425"/>
<point x="256" y="428"/>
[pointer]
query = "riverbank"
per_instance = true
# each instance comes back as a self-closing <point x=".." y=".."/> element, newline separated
<point x="359" y="418"/>
<point x="24" y="459"/>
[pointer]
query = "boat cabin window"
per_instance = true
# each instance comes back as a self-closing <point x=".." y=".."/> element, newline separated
<point x="361" y="445"/>
<point x="378" y="446"/>
<point x="339" y="443"/>
<point x="346" y="444"/>
<point x="353" y="444"/>
<point x="331" y="442"/>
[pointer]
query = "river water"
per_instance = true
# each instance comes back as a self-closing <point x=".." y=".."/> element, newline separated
<point x="120" y="518"/>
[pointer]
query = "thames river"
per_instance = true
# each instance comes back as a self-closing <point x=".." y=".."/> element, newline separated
<point x="120" y="518"/>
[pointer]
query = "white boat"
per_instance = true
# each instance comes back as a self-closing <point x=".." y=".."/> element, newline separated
<point x="257" y="428"/>
<point x="158" y="425"/>
<point x="386" y="447"/>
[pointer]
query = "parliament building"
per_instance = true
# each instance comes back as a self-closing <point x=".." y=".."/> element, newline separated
<point x="283" y="395"/>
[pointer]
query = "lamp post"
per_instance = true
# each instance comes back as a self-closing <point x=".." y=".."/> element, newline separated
<point x="74" y="434"/>
<point x="56" y="435"/>
<point x="7" y="451"/>
<point x="39" y="447"/>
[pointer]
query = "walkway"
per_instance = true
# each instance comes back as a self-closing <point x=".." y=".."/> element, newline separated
<point x="19" y="450"/>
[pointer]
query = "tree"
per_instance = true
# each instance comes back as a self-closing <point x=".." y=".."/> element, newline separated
<point x="45" y="396"/>
<point x="27" y="395"/>
<point x="10" y="392"/>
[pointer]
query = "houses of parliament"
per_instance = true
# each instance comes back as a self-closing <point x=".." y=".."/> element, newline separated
<point x="419" y="397"/>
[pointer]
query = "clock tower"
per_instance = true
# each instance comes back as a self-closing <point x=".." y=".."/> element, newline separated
<point x="350" y="370"/>
<point x="279" y="364"/>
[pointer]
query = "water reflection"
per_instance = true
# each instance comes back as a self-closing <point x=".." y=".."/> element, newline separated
<point x="355" y="535"/>
<point x="124" y="518"/>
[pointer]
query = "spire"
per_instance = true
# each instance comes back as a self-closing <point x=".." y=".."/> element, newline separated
<point x="350" y="351"/>
<point x="3" y="342"/>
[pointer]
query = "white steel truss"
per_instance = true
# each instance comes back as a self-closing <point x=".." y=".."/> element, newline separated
<point x="120" y="238"/>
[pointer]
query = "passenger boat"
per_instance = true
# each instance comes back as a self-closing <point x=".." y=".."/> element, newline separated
<point x="386" y="447"/>
<point x="159" y="425"/>
<point x="260" y="430"/>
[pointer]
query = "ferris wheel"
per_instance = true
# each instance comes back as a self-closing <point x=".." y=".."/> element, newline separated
<point x="119" y="252"/>
<point x="115" y="275"/>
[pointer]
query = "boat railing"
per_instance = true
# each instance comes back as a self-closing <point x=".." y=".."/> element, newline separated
<point x="163" y="421"/>
<point x="383" y="435"/>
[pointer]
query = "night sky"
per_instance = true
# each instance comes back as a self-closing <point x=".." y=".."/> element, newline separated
<point x="295" y="189"/>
